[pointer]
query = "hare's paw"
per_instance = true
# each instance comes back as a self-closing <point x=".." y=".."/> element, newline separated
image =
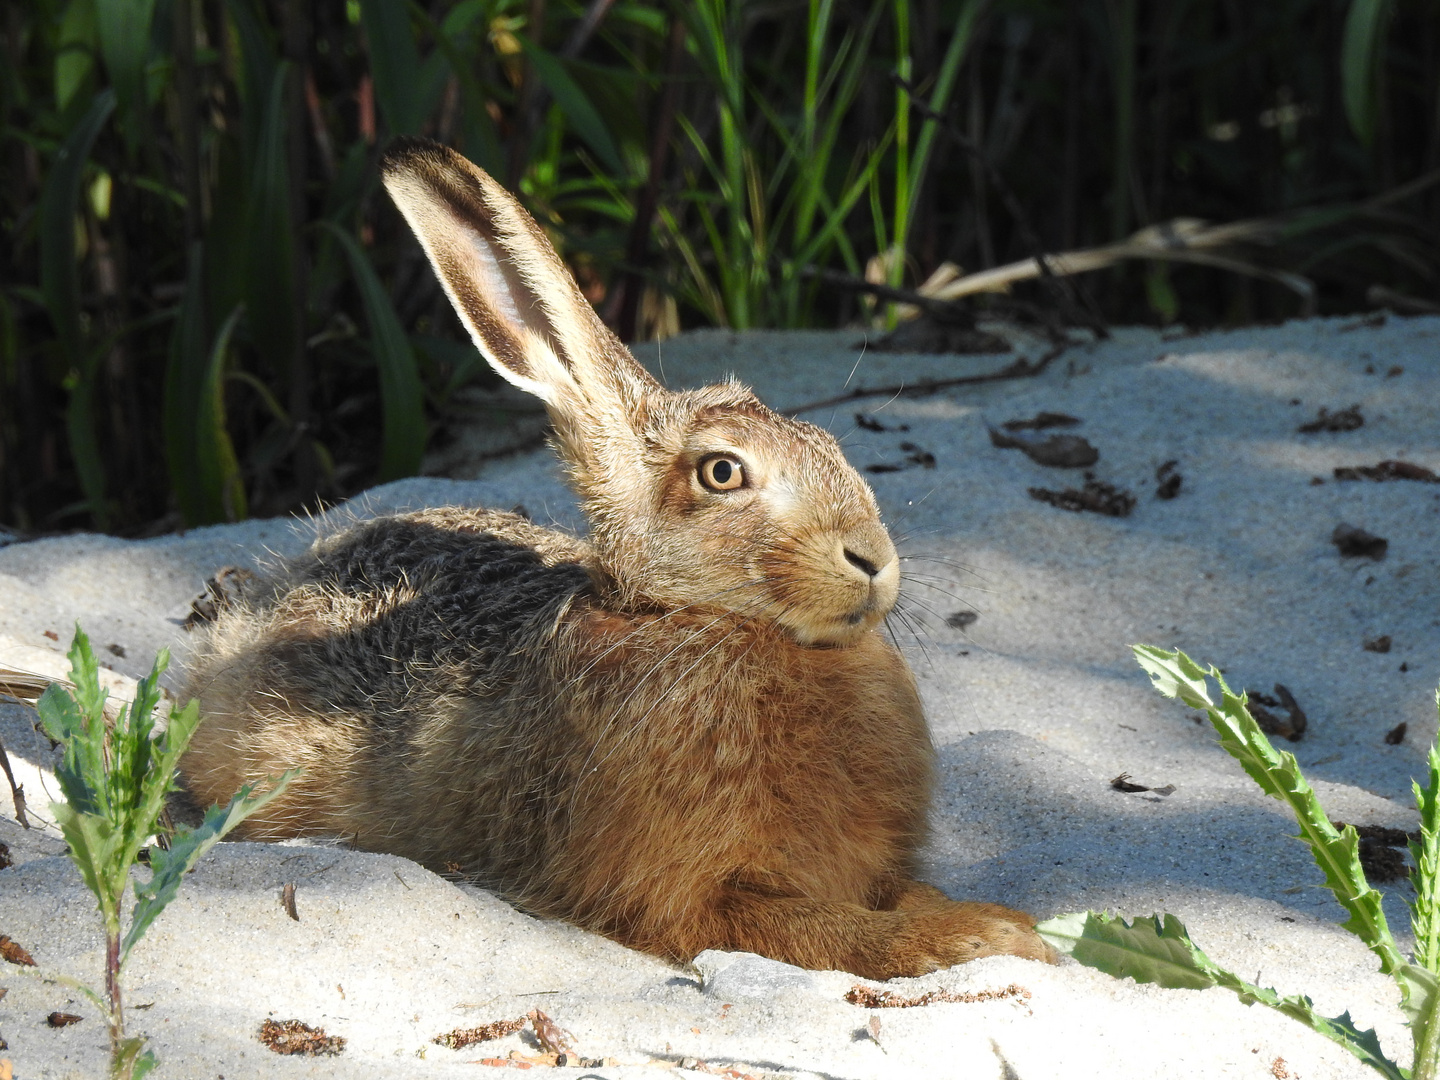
<point x="942" y="935"/>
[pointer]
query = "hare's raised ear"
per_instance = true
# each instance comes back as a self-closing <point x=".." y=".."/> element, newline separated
<point x="517" y="299"/>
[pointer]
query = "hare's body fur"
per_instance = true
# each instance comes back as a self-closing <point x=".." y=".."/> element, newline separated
<point x="685" y="731"/>
<point x="809" y="778"/>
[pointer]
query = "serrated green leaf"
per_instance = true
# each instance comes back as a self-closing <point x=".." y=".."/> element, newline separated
<point x="92" y="841"/>
<point x="1158" y="950"/>
<point x="1279" y="776"/>
<point x="1154" y="950"/>
<point x="1425" y="908"/>
<point x="187" y="847"/>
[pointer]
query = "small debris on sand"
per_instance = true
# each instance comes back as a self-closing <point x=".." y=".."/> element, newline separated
<point x="1096" y="496"/>
<point x="1356" y="543"/>
<point x="1344" y="420"/>
<point x="1387" y="470"/>
<point x="293" y="1037"/>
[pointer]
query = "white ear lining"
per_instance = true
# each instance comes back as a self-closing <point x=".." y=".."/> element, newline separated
<point x="491" y="278"/>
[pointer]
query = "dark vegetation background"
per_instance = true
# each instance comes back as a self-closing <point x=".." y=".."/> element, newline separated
<point x="209" y="308"/>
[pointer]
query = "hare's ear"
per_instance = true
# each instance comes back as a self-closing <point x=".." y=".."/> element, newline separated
<point x="515" y="296"/>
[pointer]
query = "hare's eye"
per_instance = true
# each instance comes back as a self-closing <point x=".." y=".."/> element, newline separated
<point x="723" y="472"/>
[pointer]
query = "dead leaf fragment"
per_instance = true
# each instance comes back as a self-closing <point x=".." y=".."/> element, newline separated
<point x="870" y="997"/>
<point x="292" y="1037"/>
<point x="552" y="1036"/>
<point x="1387" y="470"/>
<point x="13" y="952"/>
<point x="1040" y="421"/>
<point x="287" y="900"/>
<point x="869" y="423"/>
<point x="1056" y="451"/>
<point x="1096" y="496"/>
<point x="221" y="590"/>
<point x="460" y="1038"/>
<point x="1343" y="420"/>
<point x="1355" y="543"/>
<point x="1169" y="480"/>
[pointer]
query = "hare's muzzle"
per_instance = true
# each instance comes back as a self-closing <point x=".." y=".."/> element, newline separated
<point x="876" y="568"/>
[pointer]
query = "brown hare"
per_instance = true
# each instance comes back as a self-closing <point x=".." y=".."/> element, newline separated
<point x="684" y="731"/>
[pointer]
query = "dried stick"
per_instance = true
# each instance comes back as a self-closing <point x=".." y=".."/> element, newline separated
<point x="1020" y="369"/>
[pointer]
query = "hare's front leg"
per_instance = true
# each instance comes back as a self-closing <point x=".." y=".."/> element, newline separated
<point x="924" y="932"/>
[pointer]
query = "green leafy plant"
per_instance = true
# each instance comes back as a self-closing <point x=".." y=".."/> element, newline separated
<point x="115" y="778"/>
<point x="1158" y="949"/>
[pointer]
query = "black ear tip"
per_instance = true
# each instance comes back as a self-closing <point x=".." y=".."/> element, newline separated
<point x="408" y="150"/>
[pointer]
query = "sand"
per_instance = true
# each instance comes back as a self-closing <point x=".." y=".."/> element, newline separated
<point x="1036" y="704"/>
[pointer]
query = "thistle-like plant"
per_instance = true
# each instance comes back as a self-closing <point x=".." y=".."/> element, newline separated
<point x="115" y="779"/>
<point x="1158" y="949"/>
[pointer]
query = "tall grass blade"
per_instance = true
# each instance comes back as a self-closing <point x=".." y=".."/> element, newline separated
<point x="182" y="393"/>
<point x="124" y="29"/>
<point x="1360" y="49"/>
<point x="401" y="395"/>
<point x="205" y="472"/>
<point x="75" y="53"/>
<point x="576" y="107"/>
<point x="405" y="89"/>
<point x="269" y="288"/>
<point x="60" y="284"/>
<point x="259" y="59"/>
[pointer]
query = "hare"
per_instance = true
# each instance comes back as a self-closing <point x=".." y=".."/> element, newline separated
<point x="684" y="732"/>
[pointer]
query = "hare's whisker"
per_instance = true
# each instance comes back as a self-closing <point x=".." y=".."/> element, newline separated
<point x="942" y="560"/>
<point x="957" y="597"/>
<point x="910" y="623"/>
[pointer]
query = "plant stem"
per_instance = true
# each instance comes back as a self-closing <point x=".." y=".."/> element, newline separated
<point x="1427" y="1054"/>
<point x="116" y="1017"/>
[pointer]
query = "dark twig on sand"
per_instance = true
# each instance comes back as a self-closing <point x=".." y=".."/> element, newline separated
<point x="17" y="792"/>
<point x="1020" y="369"/>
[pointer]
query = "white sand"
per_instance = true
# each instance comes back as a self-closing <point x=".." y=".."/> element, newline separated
<point x="1034" y="707"/>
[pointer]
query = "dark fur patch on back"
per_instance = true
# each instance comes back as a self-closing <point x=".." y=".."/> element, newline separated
<point x="396" y="600"/>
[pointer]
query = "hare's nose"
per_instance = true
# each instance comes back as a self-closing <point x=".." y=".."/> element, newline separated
<point x="861" y="563"/>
